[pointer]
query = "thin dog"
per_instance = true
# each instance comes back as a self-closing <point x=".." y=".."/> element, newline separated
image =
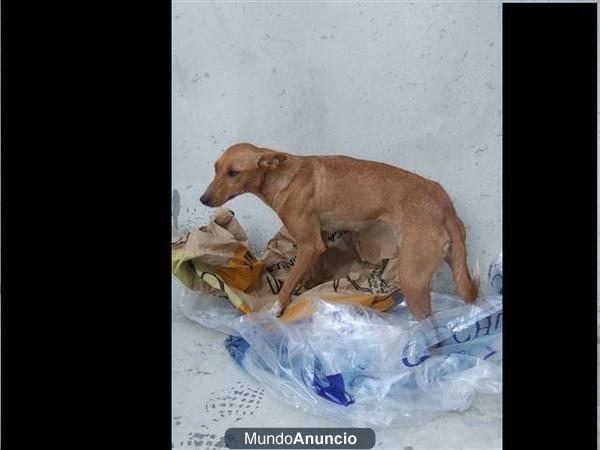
<point x="311" y="194"/>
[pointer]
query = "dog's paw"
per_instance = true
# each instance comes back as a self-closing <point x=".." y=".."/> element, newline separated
<point x="275" y="310"/>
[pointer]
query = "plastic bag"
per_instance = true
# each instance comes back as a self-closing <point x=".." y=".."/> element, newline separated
<point x="360" y="367"/>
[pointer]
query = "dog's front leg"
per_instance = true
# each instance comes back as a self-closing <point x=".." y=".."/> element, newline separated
<point x="309" y="252"/>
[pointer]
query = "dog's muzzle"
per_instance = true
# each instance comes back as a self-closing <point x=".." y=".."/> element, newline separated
<point x="205" y="200"/>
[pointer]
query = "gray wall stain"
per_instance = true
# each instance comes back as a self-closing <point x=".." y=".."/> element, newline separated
<point x="176" y="204"/>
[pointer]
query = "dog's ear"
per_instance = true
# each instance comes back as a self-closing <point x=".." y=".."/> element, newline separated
<point x="270" y="160"/>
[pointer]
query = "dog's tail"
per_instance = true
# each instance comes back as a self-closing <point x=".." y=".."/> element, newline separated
<point x="468" y="287"/>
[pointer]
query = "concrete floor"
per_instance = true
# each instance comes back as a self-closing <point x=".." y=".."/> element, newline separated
<point x="211" y="394"/>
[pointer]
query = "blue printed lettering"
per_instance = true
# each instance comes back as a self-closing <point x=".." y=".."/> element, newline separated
<point x="421" y="359"/>
<point x="460" y="342"/>
<point x="479" y="328"/>
<point x="411" y="345"/>
<point x="498" y="321"/>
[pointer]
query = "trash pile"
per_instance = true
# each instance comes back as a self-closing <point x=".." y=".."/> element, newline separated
<point x="348" y="348"/>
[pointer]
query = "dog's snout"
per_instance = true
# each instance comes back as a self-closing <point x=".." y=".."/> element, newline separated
<point x="205" y="200"/>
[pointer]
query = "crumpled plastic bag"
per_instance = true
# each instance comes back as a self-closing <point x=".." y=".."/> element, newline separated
<point x="340" y="357"/>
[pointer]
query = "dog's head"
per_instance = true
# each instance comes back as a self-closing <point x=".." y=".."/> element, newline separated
<point x="241" y="168"/>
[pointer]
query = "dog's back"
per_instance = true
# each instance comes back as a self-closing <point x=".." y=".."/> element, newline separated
<point x="350" y="189"/>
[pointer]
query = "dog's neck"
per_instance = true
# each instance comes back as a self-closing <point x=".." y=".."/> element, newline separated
<point x="274" y="184"/>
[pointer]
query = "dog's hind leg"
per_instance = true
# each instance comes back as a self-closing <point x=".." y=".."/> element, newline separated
<point x="422" y="249"/>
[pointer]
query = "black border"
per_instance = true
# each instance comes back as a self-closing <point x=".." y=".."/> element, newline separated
<point x="549" y="225"/>
<point x="86" y="229"/>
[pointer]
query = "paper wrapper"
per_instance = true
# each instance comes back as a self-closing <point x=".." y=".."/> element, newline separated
<point x="356" y="267"/>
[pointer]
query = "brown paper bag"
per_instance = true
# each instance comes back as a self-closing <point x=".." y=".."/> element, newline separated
<point x="217" y="256"/>
<point x="356" y="267"/>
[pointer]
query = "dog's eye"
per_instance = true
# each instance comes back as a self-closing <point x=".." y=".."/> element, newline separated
<point x="232" y="173"/>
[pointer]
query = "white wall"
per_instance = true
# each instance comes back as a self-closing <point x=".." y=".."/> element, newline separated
<point x="417" y="85"/>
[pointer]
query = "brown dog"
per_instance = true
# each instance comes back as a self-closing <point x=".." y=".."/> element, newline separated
<point x="314" y="193"/>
